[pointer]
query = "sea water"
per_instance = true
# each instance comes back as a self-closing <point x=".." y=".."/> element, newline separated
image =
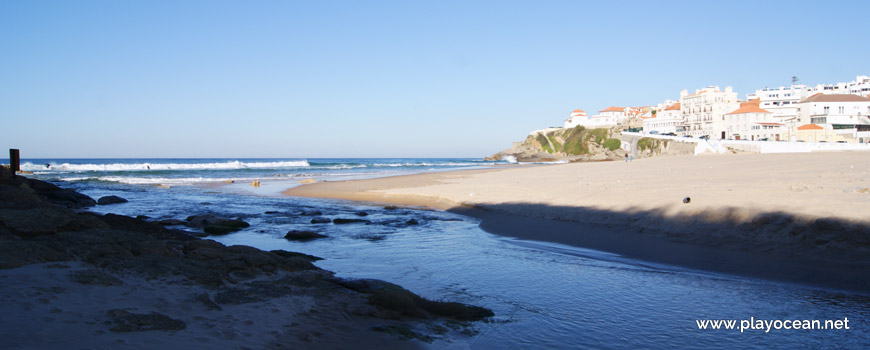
<point x="545" y="296"/>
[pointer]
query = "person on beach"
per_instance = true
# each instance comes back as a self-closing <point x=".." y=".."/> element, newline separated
<point x="626" y="157"/>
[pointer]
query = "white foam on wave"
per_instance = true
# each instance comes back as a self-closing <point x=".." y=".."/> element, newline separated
<point x="157" y="180"/>
<point x="229" y="165"/>
<point x="509" y="159"/>
<point x="425" y="164"/>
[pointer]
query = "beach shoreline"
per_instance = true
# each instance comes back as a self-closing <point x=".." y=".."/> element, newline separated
<point x="748" y="214"/>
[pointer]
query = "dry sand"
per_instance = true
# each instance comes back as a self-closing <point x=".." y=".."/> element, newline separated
<point x="795" y="217"/>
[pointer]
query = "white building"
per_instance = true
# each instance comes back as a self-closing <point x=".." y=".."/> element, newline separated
<point x="704" y="111"/>
<point x="579" y="118"/>
<point x="616" y="114"/>
<point x="847" y="115"/>
<point x="860" y="86"/>
<point x="782" y="101"/>
<point x="665" y="120"/>
<point x="750" y="122"/>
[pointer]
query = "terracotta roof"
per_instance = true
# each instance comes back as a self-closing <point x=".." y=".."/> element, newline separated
<point x="835" y="98"/>
<point x="756" y="101"/>
<point x="748" y="107"/>
<point x="613" y="109"/>
<point x="810" y="127"/>
<point x="578" y="111"/>
<point x="673" y="107"/>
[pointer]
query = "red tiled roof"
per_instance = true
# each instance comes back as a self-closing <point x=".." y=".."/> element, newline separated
<point x="578" y="111"/>
<point x="810" y="127"/>
<point x="835" y="98"/>
<point x="613" y="109"/>
<point x="748" y="107"/>
<point x="673" y="107"/>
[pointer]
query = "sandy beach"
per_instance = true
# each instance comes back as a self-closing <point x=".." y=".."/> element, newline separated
<point x="793" y="217"/>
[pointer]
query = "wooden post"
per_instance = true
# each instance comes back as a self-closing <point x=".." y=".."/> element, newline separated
<point x="14" y="161"/>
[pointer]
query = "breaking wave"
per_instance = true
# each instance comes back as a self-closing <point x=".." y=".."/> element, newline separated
<point x="229" y="165"/>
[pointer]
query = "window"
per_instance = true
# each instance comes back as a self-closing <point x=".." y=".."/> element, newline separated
<point x="842" y="109"/>
<point x="827" y="109"/>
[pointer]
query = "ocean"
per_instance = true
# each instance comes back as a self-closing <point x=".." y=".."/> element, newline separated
<point x="545" y="296"/>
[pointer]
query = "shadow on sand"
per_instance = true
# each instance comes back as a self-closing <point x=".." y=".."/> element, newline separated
<point x="824" y="252"/>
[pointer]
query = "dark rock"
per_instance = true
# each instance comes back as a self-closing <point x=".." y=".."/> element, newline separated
<point x="143" y="217"/>
<point x="412" y="222"/>
<point x="215" y="225"/>
<point x="125" y="321"/>
<point x="286" y="254"/>
<point x="311" y="213"/>
<point x="110" y="200"/>
<point x="350" y="221"/>
<point x="392" y="297"/>
<point x="121" y="222"/>
<point x="21" y="195"/>
<point x="321" y="220"/>
<point x="362" y="213"/>
<point x="201" y="220"/>
<point x="43" y="220"/>
<point x="171" y="222"/>
<point x="271" y="212"/>
<point x="296" y="235"/>
<point x="51" y="193"/>
<point x="222" y="227"/>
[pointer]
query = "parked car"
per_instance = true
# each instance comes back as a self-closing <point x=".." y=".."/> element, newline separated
<point x="841" y="141"/>
<point x="704" y="137"/>
<point x="654" y="132"/>
<point x="669" y="134"/>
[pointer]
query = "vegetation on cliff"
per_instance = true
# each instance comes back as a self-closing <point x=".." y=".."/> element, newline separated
<point x="576" y="141"/>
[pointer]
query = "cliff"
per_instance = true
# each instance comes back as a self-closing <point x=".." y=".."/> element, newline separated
<point x="580" y="144"/>
<point x="575" y="144"/>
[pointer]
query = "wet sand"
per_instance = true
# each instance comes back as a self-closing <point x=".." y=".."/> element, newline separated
<point x="793" y="217"/>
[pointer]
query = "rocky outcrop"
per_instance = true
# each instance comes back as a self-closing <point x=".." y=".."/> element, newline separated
<point x="555" y="144"/>
<point x="20" y="189"/>
<point x="38" y="229"/>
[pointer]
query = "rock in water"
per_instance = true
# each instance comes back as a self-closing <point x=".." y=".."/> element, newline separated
<point x="296" y="235"/>
<point x="350" y="221"/>
<point x="321" y="220"/>
<point x="222" y="227"/>
<point x="110" y="200"/>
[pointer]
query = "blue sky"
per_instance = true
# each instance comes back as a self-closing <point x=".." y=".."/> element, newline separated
<point x="381" y="79"/>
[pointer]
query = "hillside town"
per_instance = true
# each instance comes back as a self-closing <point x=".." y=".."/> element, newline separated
<point x="799" y="113"/>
